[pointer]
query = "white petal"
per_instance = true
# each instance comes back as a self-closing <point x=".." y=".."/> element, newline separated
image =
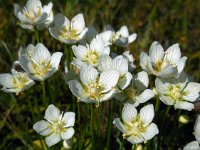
<point x="121" y="41"/>
<point x="144" y="61"/>
<point x="78" y="23"/>
<point x="88" y="74"/>
<point x="42" y="127"/>
<point x="156" y="52"/>
<point x="108" y="95"/>
<point x="161" y="85"/>
<point x="61" y="21"/>
<point x="105" y="62"/>
<point x="55" y="59"/>
<point x="52" y="113"/>
<point x="145" y="96"/>
<point x="184" y="105"/>
<point x="33" y="6"/>
<point x="150" y="132"/>
<point x="107" y="37"/>
<point x="78" y="63"/>
<point x="6" y="80"/>
<point x="52" y="139"/>
<point x="88" y="100"/>
<point x="197" y="129"/>
<point x="147" y="114"/>
<point x="17" y="8"/>
<point x="106" y="50"/>
<point x="48" y="8"/>
<point x="79" y="51"/>
<point x="109" y="79"/>
<point x="173" y="54"/>
<point x="192" y="91"/>
<point x="125" y="81"/>
<point x="167" y="100"/>
<point x="76" y="88"/>
<point x="129" y="112"/>
<point x="141" y="80"/>
<point x="41" y="53"/>
<point x="120" y="64"/>
<point x="69" y="119"/>
<point x="54" y="32"/>
<point x="97" y="44"/>
<point x="124" y="31"/>
<point x="67" y="134"/>
<point x="132" y="37"/>
<point x="192" y="146"/>
<point x="181" y="64"/>
<point x="135" y="139"/>
<point x="119" y="125"/>
<point x="168" y="72"/>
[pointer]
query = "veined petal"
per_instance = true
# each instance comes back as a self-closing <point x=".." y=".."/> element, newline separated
<point x="69" y="119"/>
<point x="161" y="85"/>
<point x="88" y="100"/>
<point x="41" y="53"/>
<point x="144" y="61"/>
<point x="181" y="64"/>
<point x="52" y="139"/>
<point x="156" y="52"/>
<point x="54" y="32"/>
<point x="132" y="37"/>
<point x="88" y="74"/>
<point x="120" y="64"/>
<point x="55" y="59"/>
<point x="52" y="113"/>
<point x="105" y="63"/>
<point x="168" y="72"/>
<point x="141" y="80"/>
<point x="97" y="44"/>
<point x="147" y="114"/>
<point x="79" y="51"/>
<point x="107" y="37"/>
<point x="33" y="6"/>
<point x="17" y="8"/>
<point x="125" y="81"/>
<point x="135" y="139"/>
<point x="78" y="23"/>
<point x="109" y="79"/>
<point x="197" y="129"/>
<point x="6" y="80"/>
<point x="151" y="131"/>
<point x="184" y="105"/>
<point x="124" y="31"/>
<point x="76" y="88"/>
<point x="192" y="91"/>
<point x="108" y="96"/>
<point x="192" y="146"/>
<point x="106" y="50"/>
<point x="42" y="127"/>
<point x="167" y="100"/>
<point x="119" y="125"/>
<point x="67" y="134"/>
<point x="145" y="96"/>
<point x="173" y="54"/>
<point x="48" y="8"/>
<point x="78" y="63"/>
<point x="129" y="112"/>
<point x="61" y="21"/>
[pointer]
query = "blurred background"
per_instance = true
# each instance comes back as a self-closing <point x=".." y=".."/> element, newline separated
<point x="166" y="21"/>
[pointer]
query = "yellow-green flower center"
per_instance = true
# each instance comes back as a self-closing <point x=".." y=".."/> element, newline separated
<point x="41" y="68"/>
<point x="94" y="90"/>
<point x="58" y="127"/>
<point x="32" y="15"/>
<point x="68" y="34"/>
<point x="175" y="92"/>
<point x="131" y="93"/>
<point x="20" y="80"/>
<point x="91" y="57"/>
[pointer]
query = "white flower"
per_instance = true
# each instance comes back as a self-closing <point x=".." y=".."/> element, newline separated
<point x="33" y="14"/>
<point x="15" y="82"/>
<point x="121" y="37"/>
<point x="56" y="126"/>
<point x="137" y="128"/>
<point x="195" y="144"/>
<point x="130" y="59"/>
<point x="137" y="93"/>
<point x="163" y="64"/>
<point x="178" y="92"/>
<point x="90" y="34"/>
<point x="68" y="32"/>
<point x="38" y="62"/>
<point x="94" y="88"/>
<point x="90" y="54"/>
<point x="119" y="64"/>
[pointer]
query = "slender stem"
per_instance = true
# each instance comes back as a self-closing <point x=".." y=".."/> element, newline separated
<point x="157" y="103"/>
<point x="79" y="126"/>
<point x="31" y="108"/>
<point x="92" y="126"/>
<point x="109" y="129"/>
<point x="37" y="36"/>
<point x="44" y="93"/>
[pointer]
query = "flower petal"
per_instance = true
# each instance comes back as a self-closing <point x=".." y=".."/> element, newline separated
<point x="156" y="52"/>
<point x="105" y="63"/>
<point x="168" y="72"/>
<point x="79" y="51"/>
<point x="132" y="37"/>
<point x="161" y="85"/>
<point x="76" y="88"/>
<point x="67" y="134"/>
<point x="42" y="127"/>
<point x="61" y="21"/>
<point x="192" y="91"/>
<point x="135" y="139"/>
<point x="197" y="129"/>
<point x="173" y="54"/>
<point x="125" y="81"/>
<point x="119" y="125"/>
<point x="145" y="96"/>
<point x="55" y="59"/>
<point x="108" y="95"/>
<point x="167" y="100"/>
<point x="144" y="61"/>
<point x="184" y="105"/>
<point x="147" y="114"/>
<point x="192" y="146"/>
<point x="69" y="119"/>
<point x="141" y="81"/>
<point x="41" y="53"/>
<point x="129" y="112"/>
<point x="6" y="80"/>
<point x="78" y="23"/>
<point x="52" y="139"/>
<point x="181" y="64"/>
<point x="120" y="64"/>
<point x="151" y="131"/>
<point x="52" y="113"/>
<point x="97" y="44"/>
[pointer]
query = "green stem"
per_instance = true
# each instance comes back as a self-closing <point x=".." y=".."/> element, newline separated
<point x="79" y="126"/>
<point x="92" y="126"/>
<point x="111" y="108"/>
<point x="157" y="104"/>
<point x="44" y="93"/>
<point x="31" y="108"/>
<point x="37" y="36"/>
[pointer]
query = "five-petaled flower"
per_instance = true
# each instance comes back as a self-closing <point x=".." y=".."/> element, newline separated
<point x="56" y="126"/>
